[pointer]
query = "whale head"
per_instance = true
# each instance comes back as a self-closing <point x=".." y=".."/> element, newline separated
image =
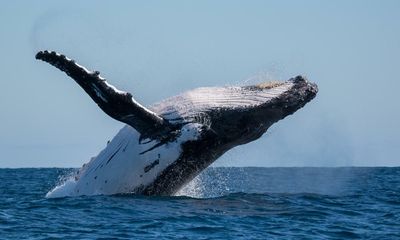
<point x="238" y="115"/>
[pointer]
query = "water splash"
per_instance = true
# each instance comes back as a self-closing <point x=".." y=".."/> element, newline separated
<point x="214" y="182"/>
<point x="65" y="185"/>
<point x="194" y="188"/>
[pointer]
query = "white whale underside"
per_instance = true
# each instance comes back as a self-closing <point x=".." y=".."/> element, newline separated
<point x="121" y="168"/>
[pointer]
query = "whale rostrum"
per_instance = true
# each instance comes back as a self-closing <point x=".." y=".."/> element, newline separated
<point x="166" y="145"/>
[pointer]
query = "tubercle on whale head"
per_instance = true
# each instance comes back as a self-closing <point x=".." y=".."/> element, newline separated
<point x="240" y="126"/>
<point x="297" y="96"/>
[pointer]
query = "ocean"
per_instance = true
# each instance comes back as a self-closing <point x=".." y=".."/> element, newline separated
<point x="221" y="203"/>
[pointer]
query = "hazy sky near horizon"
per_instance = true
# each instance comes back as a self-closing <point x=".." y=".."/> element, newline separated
<point x="156" y="49"/>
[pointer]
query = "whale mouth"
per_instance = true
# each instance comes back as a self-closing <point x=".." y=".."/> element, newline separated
<point x="295" y="91"/>
<point x="204" y="104"/>
<point x="298" y="82"/>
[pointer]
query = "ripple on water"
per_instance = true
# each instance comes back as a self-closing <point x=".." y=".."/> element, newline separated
<point x="221" y="203"/>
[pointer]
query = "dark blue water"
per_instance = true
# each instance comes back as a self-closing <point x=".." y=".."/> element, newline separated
<point x="225" y="203"/>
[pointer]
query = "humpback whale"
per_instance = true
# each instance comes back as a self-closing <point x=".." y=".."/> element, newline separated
<point x="163" y="147"/>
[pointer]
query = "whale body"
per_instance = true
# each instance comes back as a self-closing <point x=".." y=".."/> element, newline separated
<point x="165" y="146"/>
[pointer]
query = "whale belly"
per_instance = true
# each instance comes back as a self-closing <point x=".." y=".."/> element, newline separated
<point x="126" y="165"/>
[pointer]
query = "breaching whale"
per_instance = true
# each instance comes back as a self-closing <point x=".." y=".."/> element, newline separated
<point x="165" y="146"/>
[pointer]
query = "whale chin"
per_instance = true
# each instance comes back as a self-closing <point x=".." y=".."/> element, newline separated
<point x="166" y="145"/>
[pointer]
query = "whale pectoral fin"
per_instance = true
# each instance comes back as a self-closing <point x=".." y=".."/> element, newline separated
<point x="118" y="104"/>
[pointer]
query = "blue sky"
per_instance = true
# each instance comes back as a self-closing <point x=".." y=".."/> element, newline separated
<point x="156" y="49"/>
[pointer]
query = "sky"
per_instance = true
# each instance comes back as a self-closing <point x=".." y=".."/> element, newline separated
<point x="157" y="49"/>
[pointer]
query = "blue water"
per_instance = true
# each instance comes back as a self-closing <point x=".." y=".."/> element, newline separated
<point x="223" y="203"/>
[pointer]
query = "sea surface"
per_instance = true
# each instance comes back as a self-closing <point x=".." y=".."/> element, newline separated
<point x="222" y="203"/>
